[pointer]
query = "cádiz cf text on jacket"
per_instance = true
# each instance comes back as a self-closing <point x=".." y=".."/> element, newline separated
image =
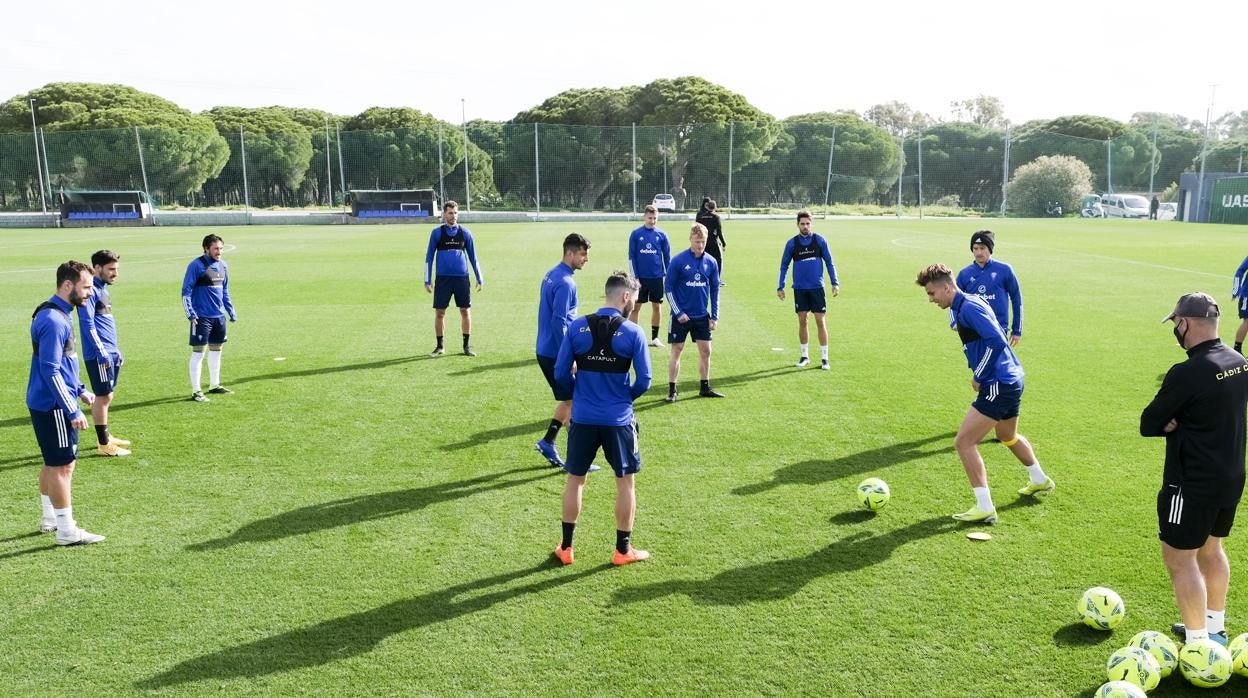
<point x="996" y="283"/>
<point x="206" y="289"/>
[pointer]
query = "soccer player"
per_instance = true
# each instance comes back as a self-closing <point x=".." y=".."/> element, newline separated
<point x="1239" y="290"/>
<point x="715" y="242"/>
<point x="206" y="300"/>
<point x="51" y="397"/>
<point x="995" y="282"/>
<point x="1200" y="410"/>
<point x="692" y="285"/>
<point x="451" y="243"/>
<point x="998" y="377"/>
<point x="604" y="347"/>
<point x="99" y="349"/>
<point x="556" y="309"/>
<point x="649" y="255"/>
<point x="809" y="254"/>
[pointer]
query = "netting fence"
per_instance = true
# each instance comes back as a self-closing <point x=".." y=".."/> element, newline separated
<point x="543" y="167"/>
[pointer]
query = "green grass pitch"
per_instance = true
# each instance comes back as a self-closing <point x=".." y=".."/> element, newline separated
<point x="360" y="519"/>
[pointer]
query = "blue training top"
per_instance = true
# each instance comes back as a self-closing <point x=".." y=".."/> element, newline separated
<point x="454" y="250"/>
<point x="691" y="282"/>
<point x="556" y="309"/>
<point x="206" y="289"/>
<point x="96" y="325"/>
<point x="604" y="397"/>
<point x="1239" y="288"/>
<point x="996" y="283"/>
<point x="649" y="253"/>
<point x="988" y="352"/>
<point x="809" y="254"/>
<point x="54" y="378"/>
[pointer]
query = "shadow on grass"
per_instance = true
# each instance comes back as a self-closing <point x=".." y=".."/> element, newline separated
<point x="27" y="551"/>
<point x="21" y="462"/>
<point x="1079" y="635"/>
<point x="688" y="387"/>
<point x="359" y="633"/>
<point x="303" y="373"/>
<point x="780" y="579"/>
<point x="343" y="512"/>
<point x="507" y="365"/>
<point x="814" y="472"/>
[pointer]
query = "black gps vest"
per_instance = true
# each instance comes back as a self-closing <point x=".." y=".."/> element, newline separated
<point x="601" y="358"/>
<point x="805" y="250"/>
<point x="446" y="241"/>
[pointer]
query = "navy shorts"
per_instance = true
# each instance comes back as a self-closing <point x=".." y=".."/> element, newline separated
<point x="1243" y="308"/>
<point x="810" y="300"/>
<point x="999" y="401"/>
<point x="699" y="327"/>
<point x="208" y="330"/>
<point x="619" y="445"/>
<point x="58" y="440"/>
<point x="1187" y="522"/>
<point x="651" y="291"/>
<point x="103" y="375"/>
<point x="446" y="286"/>
<point x="548" y="369"/>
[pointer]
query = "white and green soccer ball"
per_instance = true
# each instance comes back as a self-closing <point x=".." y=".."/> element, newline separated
<point x="1101" y="608"/>
<point x="1163" y="649"/>
<point x="873" y="493"/>
<point x="1120" y="689"/>
<point x="1133" y="665"/>
<point x="1239" y="654"/>
<point x="1205" y="663"/>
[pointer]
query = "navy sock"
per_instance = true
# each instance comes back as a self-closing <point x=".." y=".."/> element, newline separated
<point x="568" y="530"/>
<point x="101" y="433"/>
<point x="622" y="541"/>
<point x="465" y="341"/>
<point x="705" y="385"/>
<point x="552" y="431"/>
<point x="439" y="341"/>
<point x="671" y="388"/>
<point x="654" y="332"/>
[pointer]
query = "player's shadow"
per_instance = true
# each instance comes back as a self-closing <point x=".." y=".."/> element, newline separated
<point x="504" y="366"/>
<point x="358" y="633"/>
<point x="780" y="579"/>
<point x="323" y="370"/>
<point x="370" y="507"/>
<point x="26" y="461"/>
<point x="814" y="472"/>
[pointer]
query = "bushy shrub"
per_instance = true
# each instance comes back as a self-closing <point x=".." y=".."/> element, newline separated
<point x="1058" y="178"/>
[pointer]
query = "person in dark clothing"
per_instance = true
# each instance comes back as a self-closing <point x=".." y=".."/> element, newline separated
<point x="1152" y="208"/>
<point x="715" y="242"/>
<point x="1200" y="409"/>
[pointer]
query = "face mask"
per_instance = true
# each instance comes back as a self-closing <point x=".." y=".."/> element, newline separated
<point x="1180" y="335"/>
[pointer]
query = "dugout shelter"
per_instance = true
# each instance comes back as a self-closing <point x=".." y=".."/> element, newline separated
<point x="1222" y="198"/>
<point x="89" y="208"/>
<point x="394" y="203"/>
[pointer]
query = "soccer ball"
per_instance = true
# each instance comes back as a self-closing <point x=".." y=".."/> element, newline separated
<point x="1101" y="608"/>
<point x="1120" y="689"/>
<point x="1239" y="654"/>
<point x="873" y="493"/>
<point x="1134" y="665"/>
<point x="1205" y="663"/>
<point x="1161" y="647"/>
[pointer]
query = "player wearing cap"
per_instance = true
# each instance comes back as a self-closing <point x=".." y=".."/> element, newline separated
<point x="1200" y="410"/>
<point x="998" y="377"/>
<point x="809" y="254"/>
<point x="1239" y="290"/>
<point x="996" y="283"/>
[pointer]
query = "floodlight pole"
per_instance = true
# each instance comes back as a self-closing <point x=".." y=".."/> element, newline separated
<point x="142" y="165"/>
<point x="242" y="154"/>
<point x="1204" y="152"/>
<point x="1152" y="171"/>
<point x="463" y="120"/>
<point x="1109" y="165"/>
<point x="920" y="175"/>
<point x="329" y="173"/>
<point x="342" y="177"/>
<point x="537" y="172"/>
<point x="901" y="170"/>
<point x="635" y="177"/>
<point x="1005" y="171"/>
<point x="34" y="131"/>
<point x="827" y="186"/>
<point x="43" y="148"/>
<point x="441" y="174"/>
<point x="732" y="126"/>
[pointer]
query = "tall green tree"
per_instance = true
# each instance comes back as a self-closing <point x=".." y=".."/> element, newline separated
<point x="1230" y="155"/>
<point x="898" y="118"/>
<point x="278" y="151"/>
<point x="963" y="160"/>
<point x="1178" y="143"/>
<point x="321" y="183"/>
<point x="1059" y="178"/>
<point x="1096" y="140"/>
<point x="981" y="110"/>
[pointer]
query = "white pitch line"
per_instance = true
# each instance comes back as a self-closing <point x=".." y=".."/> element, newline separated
<point x="226" y="248"/>
<point x="900" y="242"/>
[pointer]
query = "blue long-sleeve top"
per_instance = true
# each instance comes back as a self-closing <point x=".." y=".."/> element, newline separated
<point x="988" y="352"/>
<point x="556" y="309"/>
<point x="96" y="325"/>
<point x="54" y="378"/>
<point x="206" y="289"/>
<point x="604" y="398"/>
<point x="649" y="253"/>
<point x="1239" y="287"/>
<point x="691" y="283"/>
<point x="997" y="284"/>
<point x="452" y="246"/>
<point x="809" y="254"/>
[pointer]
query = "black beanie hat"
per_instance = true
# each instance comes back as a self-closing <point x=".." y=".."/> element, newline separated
<point x="985" y="238"/>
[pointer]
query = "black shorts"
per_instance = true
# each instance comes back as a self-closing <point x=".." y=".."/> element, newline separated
<point x="1243" y="308"/>
<point x="547" y="363"/>
<point x="208" y="330"/>
<point x="58" y="439"/>
<point x="699" y="327"/>
<point x="446" y="286"/>
<point x="810" y="300"/>
<point x="103" y="374"/>
<point x="1186" y="522"/>
<point x="651" y="291"/>
<point x="619" y="445"/>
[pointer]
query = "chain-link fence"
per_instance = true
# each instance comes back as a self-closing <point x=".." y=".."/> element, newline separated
<point x="540" y="167"/>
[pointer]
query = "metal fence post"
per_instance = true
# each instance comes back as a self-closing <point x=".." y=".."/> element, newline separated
<point x="636" y="175"/>
<point x="731" y="133"/>
<point x="827" y="185"/>
<point x="34" y="132"/>
<point x="242" y="153"/>
<point x="1005" y="172"/>
<point x="537" y="172"/>
<point x="142" y="165"/>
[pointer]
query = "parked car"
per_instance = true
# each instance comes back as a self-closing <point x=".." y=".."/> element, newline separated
<point x="664" y="202"/>
<point x="1090" y="207"/>
<point x="1125" y="206"/>
<point x="1167" y="211"/>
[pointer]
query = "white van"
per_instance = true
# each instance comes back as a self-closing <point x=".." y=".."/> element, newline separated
<point x="1125" y="206"/>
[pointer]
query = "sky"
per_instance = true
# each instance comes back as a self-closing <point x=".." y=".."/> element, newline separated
<point x="489" y="59"/>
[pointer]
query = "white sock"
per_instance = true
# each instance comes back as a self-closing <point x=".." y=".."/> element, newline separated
<point x="214" y="368"/>
<point x="48" y="512"/>
<point x="65" y="520"/>
<point x="805" y="351"/>
<point x="1215" y="621"/>
<point x="1036" y="473"/>
<point x="197" y="358"/>
<point x="983" y="499"/>
<point x="1193" y="635"/>
<point x="823" y="352"/>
